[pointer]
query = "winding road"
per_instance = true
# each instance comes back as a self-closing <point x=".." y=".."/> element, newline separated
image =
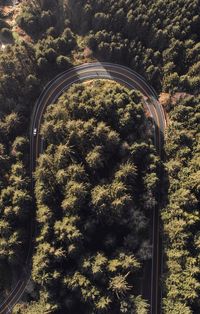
<point x="50" y="94"/>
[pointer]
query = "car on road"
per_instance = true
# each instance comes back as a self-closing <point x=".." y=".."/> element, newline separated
<point x="35" y="132"/>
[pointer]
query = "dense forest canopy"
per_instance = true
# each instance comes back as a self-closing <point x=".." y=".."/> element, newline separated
<point x="181" y="215"/>
<point x="88" y="195"/>
<point x="96" y="187"/>
<point x="158" y="39"/>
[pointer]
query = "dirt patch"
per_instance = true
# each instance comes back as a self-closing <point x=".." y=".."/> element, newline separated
<point x="168" y="101"/>
<point x="10" y="12"/>
<point x="79" y="57"/>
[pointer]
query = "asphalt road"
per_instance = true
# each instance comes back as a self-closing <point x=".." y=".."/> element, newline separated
<point x="50" y="94"/>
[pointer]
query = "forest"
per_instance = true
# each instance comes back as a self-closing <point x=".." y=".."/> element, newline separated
<point x="98" y="176"/>
<point x="94" y="215"/>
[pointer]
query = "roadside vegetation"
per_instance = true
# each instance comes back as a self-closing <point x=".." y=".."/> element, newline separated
<point x="159" y="40"/>
<point x="181" y="217"/>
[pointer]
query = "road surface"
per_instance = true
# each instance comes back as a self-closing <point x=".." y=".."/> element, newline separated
<point x="50" y="94"/>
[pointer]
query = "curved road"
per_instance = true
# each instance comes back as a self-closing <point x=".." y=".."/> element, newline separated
<point x="50" y="94"/>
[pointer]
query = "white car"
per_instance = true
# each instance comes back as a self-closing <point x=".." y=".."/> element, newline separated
<point x="35" y="132"/>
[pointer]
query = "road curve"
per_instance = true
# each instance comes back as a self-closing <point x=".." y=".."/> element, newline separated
<point x="50" y="94"/>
